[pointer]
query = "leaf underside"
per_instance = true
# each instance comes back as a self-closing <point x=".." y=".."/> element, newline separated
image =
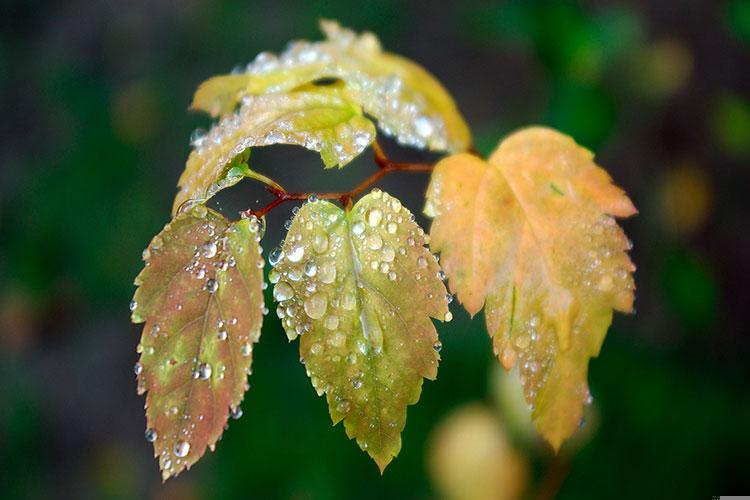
<point x="200" y="297"/>
<point x="321" y="119"/>
<point x="531" y="235"/>
<point x="406" y="100"/>
<point x="359" y="289"/>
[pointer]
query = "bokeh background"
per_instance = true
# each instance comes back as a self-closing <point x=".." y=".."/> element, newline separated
<point x="94" y="133"/>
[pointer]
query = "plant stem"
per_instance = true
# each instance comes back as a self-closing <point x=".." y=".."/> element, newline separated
<point x="385" y="166"/>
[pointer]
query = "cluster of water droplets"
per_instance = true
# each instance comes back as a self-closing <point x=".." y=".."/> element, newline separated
<point x="401" y="111"/>
<point x="604" y="268"/>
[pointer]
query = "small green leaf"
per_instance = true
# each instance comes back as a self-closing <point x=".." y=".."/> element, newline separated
<point x="323" y="119"/>
<point x="408" y="102"/>
<point x="200" y="297"/>
<point x="359" y="289"/>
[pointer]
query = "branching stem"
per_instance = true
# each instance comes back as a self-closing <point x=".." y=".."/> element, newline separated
<point x="385" y="166"/>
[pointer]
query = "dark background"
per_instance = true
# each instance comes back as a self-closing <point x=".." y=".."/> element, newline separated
<point x="94" y="133"/>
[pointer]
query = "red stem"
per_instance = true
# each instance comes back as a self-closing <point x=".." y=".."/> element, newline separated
<point x="385" y="166"/>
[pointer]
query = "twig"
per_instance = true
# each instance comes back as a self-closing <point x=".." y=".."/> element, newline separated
<point x="385" y="166"/>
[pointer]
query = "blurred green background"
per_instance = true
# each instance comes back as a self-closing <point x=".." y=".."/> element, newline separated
<point x="94" y="133"/>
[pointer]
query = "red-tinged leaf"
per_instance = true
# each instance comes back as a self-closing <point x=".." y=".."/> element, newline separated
<point x="200" y="297"/>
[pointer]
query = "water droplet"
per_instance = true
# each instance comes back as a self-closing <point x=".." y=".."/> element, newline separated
<point x="343" y="406"/>
<point x="424" y="126"/>
<point x="204" y="371"/>
<point x="358" y="228"/>
<point x="275" y="256"/>
<point x="448" y="316"/>
<point x="316" y="305"/>
<point x="392" y="228"/>
<point x="311" y="268"/>
<point x="151" y="435"/>
<point x="374" y="241"/>
<point x="421" y="262"/>
<point x="448" y="298"/>
<point x="332" y="322"/>
<point x="441" y="275"/>
<point x="312" y="198"/>
<point x="316" y="348"/>
<point x="246" y="349"/>
<point x="357" y="383"/>
<point x="388" y="253"/>
<point x="374" y="216"/>
<point x="209" y="250"/>
<point x="235" y="412"/>
<point x="221" y="334"/>
<point x="320" y="243"/>
<point x="327" y="272"/>
<point x="133" y="305"/>
<point x="181" y="449"/>
<point x="392" y="276"/>
<point x="348" y="301"/>
<point x="197" y="137"/>
<point x="410" y="241"/>
<point x="437" y="346"/>
<point x="138" y="368"/>
<point x="296" y="253"/>
<point x="282" y="291"/>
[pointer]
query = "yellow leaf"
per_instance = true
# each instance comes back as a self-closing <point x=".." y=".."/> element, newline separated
<point x="531" y="234"/>
<point x="323" y="119"/>
<point x="359" y="289"/>
<point x="408" y="102"/>
<point x="200" y="297"/>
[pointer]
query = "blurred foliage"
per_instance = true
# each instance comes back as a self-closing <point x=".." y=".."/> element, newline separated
<point x="95" y="132"/>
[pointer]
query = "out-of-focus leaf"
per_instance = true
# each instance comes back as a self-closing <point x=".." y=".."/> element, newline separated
<point x="359" y="289"/>
<point x="531" y="234"/>
<point x="322" y="119"/>
<point x="408" y="102"/>
<point x="471" y="457"/>
<point x="200" y="298"/>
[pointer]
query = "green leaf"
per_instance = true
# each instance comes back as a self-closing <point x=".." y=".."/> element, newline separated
<point x="408" y="102"/>
<point x="359" y="289"/>
<point x="200" y="297"/>
<point x="323" y="119"/>
<point x="530" y="234"/>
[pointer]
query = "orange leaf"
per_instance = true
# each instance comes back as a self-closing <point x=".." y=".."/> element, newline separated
<point x="531" y="235"/>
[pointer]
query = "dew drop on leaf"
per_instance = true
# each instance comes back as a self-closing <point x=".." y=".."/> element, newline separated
<point x="150" y="435"/>
<point x="181" y="449"/>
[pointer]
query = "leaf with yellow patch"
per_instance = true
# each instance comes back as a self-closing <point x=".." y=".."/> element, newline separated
<point x="200" y="297"/>
<point x="359" y="288"/>
<point x="531" y="235"/>
<point x="322" y="119"/>
<point x="408" y="102"/>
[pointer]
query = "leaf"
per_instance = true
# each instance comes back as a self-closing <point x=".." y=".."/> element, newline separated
<point x="359" y="289"/>
<point x="531" y="235"/>
<point x="323" y="120"/>
<point x="200" y="297"/>
<point x="408" y="102"/>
